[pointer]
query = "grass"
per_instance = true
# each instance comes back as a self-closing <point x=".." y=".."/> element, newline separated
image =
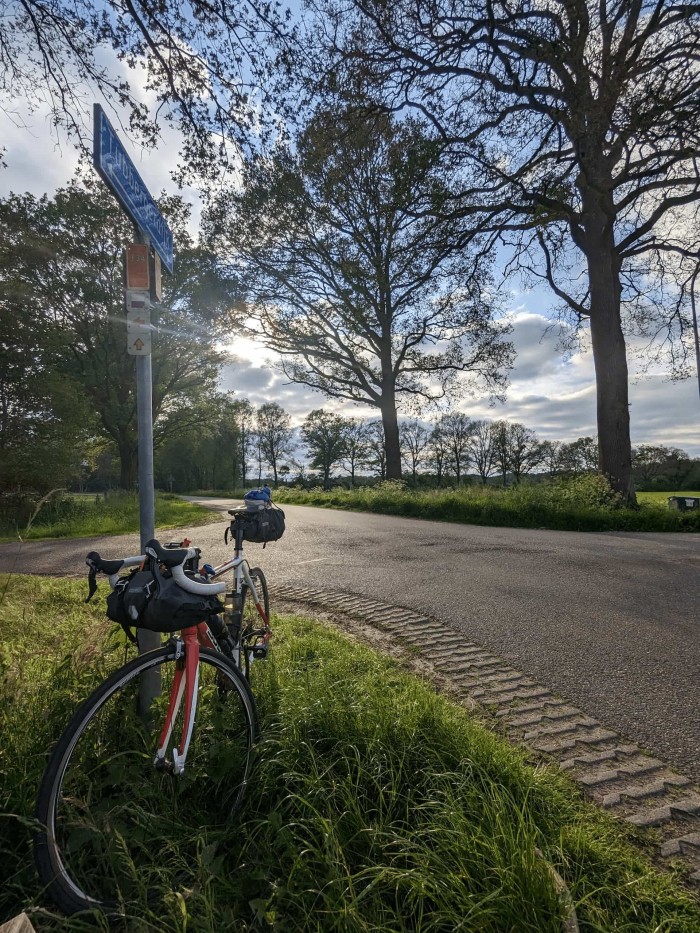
<point x="661" y="498"/>
<point x="375" y="804"/>
<point x="118" y="513"/>
<point x="584" y="503"/>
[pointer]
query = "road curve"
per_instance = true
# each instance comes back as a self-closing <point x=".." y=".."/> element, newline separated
<point x="610" y="621"/>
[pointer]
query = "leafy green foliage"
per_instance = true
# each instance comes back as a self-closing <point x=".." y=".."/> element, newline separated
<point x="61" y="278"/>
<point x="579" y="503"/>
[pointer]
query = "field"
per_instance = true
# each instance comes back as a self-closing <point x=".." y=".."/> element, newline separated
<point x="661" y="498"/>
<point x="78" y="516"/>
<point x="375" y="804"/>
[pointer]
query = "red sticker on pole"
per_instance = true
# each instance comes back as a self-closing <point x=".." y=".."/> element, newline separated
<point x="137" y="266"/>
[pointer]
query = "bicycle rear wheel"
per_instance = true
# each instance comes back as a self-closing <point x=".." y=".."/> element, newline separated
<point x="116" y="831"/>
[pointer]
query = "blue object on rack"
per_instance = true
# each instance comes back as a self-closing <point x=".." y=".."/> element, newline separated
<point x="259" y="495"/>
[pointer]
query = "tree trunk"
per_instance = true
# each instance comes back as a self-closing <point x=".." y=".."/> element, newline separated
<point x="609" y="358"/>
<point x="391" y="435"/>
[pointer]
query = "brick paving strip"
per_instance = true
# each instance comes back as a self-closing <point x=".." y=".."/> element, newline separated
<point x="619" y="776"/>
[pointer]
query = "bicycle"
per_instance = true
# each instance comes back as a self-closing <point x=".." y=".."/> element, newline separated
<point x="112" y="790"/>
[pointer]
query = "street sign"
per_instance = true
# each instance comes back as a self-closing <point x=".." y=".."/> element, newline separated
<point x="138" y="333"/>
<point x="119" y="173"/>
<point x="138" y="323"/>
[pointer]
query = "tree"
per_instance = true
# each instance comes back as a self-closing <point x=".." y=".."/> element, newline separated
<point x="438" y="452"/>
<point x="579" y="456"/>
<point x="415" y="439"/>
<point x="456" y="429"/>
<point x="578" y="128"/>
<point x="480" y="445"/>
<point x="45" y="425"/>
<point x="210" y="453"/>
<point x="213" y="67"/>
<point x="524" y="450"/>
<point x="501" y="449"/>
<point x="516" y="449"/>
<point x="325" y="435"/>
<point x="650" y="461"/>
<point x="551" y="456"/>
<point x="60" y="263"/>
<point x="357" y="448"/>
<point x="352" y="280"/>
<point x="377" y="448"/>
<point x="274" y="435"/>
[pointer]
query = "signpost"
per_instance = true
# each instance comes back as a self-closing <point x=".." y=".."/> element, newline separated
<point x="142" y="281"/>
<point x="119" y="173"/>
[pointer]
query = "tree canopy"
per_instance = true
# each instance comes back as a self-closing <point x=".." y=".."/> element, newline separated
<point x="352" y="278"/>
<point x="61" y="277"/>
<point x="213" y="68"/>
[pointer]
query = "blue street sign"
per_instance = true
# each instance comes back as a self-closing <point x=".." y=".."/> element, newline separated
<point x="119" y="173"/>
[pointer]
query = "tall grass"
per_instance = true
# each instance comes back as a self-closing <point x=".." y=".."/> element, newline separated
<point x="583" y="503"/>
<point x="375" y="805"/>
<point x="117" y="513"/>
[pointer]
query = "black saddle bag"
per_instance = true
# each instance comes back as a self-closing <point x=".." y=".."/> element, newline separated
<point x="263" y="525"/>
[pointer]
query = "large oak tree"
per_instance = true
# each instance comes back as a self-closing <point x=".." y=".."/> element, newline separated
<point x="578" y="127"/>
<point x="365" y="293"/>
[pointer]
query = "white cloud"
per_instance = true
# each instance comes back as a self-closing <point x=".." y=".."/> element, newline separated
<point x="553" y="395"/>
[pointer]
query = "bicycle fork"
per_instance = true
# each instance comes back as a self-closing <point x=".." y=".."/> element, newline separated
<point x="185" y="684"/>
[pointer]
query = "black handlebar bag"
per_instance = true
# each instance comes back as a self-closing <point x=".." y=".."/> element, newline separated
<point x="151" y="599"/>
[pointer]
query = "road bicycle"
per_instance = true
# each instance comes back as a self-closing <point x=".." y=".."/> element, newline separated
<point x="123" y="812"/>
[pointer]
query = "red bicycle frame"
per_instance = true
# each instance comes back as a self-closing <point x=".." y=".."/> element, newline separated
<point x="184" y="685"/>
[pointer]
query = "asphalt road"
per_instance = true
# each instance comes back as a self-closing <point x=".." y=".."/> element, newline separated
<point x="609" y="621"/>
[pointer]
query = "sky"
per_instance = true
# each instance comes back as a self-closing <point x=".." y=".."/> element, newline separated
<point x="552" y="394"/>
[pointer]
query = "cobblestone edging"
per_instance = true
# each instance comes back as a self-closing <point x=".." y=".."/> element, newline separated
<point x="617" y="775"/>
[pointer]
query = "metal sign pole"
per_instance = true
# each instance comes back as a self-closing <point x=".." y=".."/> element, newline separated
<point x="120" y="174"/>
<point x="144" y="409"/>
<point x="150" y="681"/>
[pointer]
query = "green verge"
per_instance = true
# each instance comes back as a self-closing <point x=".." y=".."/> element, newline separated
<point x="87" y="516"/>
<point x="375" y="804"/>
<point x="584" y="503"/>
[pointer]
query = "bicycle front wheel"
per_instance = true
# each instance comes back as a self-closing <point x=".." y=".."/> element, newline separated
<point x="115" y="830"/>
<point x="252" y="621"/>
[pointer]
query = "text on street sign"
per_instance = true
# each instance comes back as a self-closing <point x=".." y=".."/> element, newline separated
<point x="118" y="171"/>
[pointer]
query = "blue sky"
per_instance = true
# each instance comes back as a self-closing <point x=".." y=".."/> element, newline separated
<point x="549" y="393"/>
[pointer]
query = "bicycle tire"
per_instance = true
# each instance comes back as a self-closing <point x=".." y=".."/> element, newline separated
<point x="249" y="613"/>
<point x="105" y="809"/>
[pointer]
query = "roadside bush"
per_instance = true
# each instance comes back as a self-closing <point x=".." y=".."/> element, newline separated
<point x="579" y="503"/>
<point x="591" y="490"/>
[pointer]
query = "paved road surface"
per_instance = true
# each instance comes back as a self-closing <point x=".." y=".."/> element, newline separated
<point x="609" y="621"/>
